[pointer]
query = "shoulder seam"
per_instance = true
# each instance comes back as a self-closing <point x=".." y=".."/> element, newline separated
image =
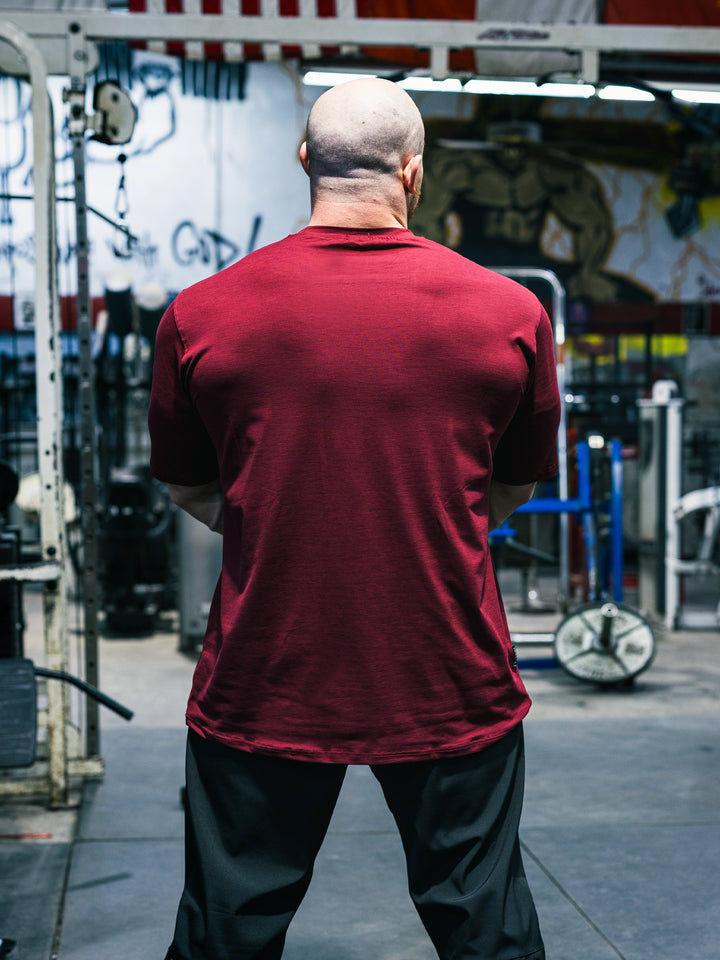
<point x="176" y="324"/>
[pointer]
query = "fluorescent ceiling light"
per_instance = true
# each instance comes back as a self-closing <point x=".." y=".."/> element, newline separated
<point x="525" y="88"/>
<point x="326" y="78"/>
<point x="583" y="90"/>
<point x="502" y="87"/>
<point x="697" y="96"/>
<point x="449" y="85"/>
<point x="611" y="92"/>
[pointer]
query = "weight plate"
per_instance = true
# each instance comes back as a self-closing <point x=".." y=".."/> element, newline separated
<point x="605" y="643"/>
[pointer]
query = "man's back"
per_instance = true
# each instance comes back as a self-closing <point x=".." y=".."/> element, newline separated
<point x="360" y="389"/>
<point x="352" y="407"/>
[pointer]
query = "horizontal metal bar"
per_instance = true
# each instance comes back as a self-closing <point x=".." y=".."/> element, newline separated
<point x="552" y="505"/>
<point x="107" y="25"/>
<point x="700" y="568"/>
<point x="35" y="780"/>
<point x="31" y="572"/>
<point x="98" y="213"/>
<point x="532" y="639"/>
<point x="86" y="767"/>
<point x="38" y="786"/>
<point x="90" y="689"/>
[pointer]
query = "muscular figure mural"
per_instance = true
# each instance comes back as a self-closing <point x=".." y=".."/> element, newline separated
<point x="491" y="201"/>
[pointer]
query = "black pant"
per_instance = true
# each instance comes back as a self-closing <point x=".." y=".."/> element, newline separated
<point x="254" y="825"/>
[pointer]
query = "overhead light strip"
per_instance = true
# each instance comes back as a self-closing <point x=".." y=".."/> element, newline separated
<point x="526" y="88"/>
<point x="323" y="78"/>
<point x="529" y="89"/>
<point x="613" y="92"/>
<point x="697" y="96"/>
<point x="326" y="78"/>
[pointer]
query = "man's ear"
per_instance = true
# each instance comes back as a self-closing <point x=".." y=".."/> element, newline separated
<point x="304" y="159"/>
<point x="412" y="174"/>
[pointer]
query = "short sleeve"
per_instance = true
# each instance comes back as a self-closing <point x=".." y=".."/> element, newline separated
<point x="527" y="450"/>
<point x="181" y="450"/>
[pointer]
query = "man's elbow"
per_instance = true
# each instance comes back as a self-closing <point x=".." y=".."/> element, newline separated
<point x="522" y="494"/>
<point x="505" y="498"/>
<point x="204" y="502"/>
<point x="176" y="494"/>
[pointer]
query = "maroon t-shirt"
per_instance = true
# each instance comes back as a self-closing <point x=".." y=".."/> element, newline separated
<point x="355" y="390"/>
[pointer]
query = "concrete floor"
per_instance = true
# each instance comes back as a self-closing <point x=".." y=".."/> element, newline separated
<point x="621" y="828"/>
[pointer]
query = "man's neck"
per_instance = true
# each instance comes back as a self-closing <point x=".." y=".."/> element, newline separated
<point x="358" y="215"/>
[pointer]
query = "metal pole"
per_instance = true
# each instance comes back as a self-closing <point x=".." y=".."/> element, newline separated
<point x="584" y="482"/>
<point x="558" y="319"/>
<point x="616" y="519"/>
<point x="673" y="491"/>
<point x="582" y="38"/>
<point x="77" y="59"/>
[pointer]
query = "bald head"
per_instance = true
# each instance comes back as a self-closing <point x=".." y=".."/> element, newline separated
<point x="360" y="136"/>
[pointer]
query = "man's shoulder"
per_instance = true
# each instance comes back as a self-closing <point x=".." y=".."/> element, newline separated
<point x="254" y="260"/>
<point x="241" y="271"/>
<point x="458" y="268"/>
<point x="455" y="261"/>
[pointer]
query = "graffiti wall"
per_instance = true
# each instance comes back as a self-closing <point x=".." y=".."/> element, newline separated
<point x="201" y="183"/>
<point x="621" y="200"/>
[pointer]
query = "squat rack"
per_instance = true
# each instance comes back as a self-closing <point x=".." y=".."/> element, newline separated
<point x="50" y="569"/>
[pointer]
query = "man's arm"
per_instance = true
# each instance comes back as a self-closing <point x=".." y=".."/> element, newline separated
<point x="505" y="498"/>
<point x="204" y="502"/>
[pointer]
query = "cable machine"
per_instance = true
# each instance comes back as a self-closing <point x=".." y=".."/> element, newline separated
<point x="53" y="775"/>
<point x="49" y="570"/>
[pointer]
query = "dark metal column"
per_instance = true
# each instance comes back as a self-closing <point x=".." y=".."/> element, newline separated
<point x="86" y="390"/>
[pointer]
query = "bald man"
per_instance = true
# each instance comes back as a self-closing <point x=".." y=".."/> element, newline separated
<point x="354" y="408"/>
<point x="363" y="155"/>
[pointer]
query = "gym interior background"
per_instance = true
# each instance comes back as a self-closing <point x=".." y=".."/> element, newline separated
<point x="578" y="150"/>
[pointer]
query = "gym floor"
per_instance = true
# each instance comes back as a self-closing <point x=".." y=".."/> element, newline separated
<point x="621" y="828"/>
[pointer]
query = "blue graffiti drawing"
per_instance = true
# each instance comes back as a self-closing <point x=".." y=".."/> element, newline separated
<point x="139" y="248"/>
<point x="157" y="121"/>
<point x="14" y="110"/>
<point x="191" y="245"/>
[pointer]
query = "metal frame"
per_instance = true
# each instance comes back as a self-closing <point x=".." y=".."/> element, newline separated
<point x="51" y="776"/>
<point x="50" y="571"/>
<point x="438" y="36"/>
<point x="562" y="505"/>
<point x="78" y="60"/>
<point x="660" y="493"/>
<point x="706" y="500"/>
<point x="580" y="506"/>
<point x="673" y="492"/>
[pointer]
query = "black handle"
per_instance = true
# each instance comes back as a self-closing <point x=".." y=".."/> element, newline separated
<point x="87" y="688"/>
